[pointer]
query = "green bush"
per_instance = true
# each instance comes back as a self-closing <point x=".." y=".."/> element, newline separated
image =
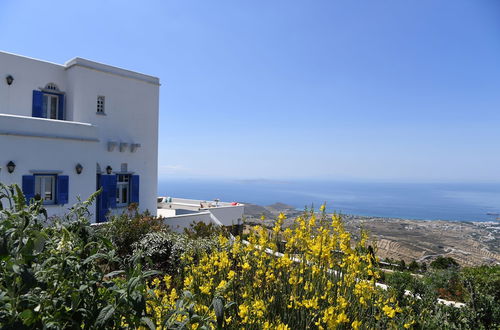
<point x="202" y="230"/>
<point x="62" y="275"/>
<point x="444" y="263"/>
<point x="165" y="249"/>
<point x="128" y="228"/>
<point x="482" y="287"/>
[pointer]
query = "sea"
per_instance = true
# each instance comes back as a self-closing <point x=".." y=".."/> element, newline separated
<point x="427" y="201"/>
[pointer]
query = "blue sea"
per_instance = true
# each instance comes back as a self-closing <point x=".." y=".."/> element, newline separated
<point x="431" y="201"/>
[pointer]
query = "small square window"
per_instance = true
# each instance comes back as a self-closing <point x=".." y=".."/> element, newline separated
<point x="122" y="190"/>
<point x="45" y="188"/>
<point x="100" y="104"/>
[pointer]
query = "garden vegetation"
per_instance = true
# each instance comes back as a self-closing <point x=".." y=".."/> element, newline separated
<point x="136" y="273"/>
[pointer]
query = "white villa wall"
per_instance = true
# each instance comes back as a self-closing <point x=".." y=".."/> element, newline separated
<point x="228" y="215"/>
<point x="29" y="74"/>
<point x="131" y="116"/>
<point x="179" y="222"/>
<point x="53" y="155"/>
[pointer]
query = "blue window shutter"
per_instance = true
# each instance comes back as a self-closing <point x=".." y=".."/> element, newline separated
<point x="60" y="111"/>
<point x="62" y="189"/>
<point x="37" y="110"/>
<point x="108" y="191"/>
<point x="134" y="189"/>
<point x="112" y="192"/>
<point x="28" y="187"/>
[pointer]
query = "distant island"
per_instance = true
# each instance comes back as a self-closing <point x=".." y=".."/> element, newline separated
<point x="469" y="243"/>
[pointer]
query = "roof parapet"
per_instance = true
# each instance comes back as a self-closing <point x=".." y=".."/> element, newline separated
<point x="78" y="61"/>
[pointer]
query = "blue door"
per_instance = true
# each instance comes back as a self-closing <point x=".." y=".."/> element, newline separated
<point x="107" y="198"/>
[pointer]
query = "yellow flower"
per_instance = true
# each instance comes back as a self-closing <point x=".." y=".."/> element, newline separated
<point x="259" y="307"/>
<point x="322" y="208"/>
<point x="389" y="311"/>
<point x="409" y="324"/>
<point x="167" y="279"/>
<point x="188" y="281"/>
<point x="342" y="318"/>
<point x="156" y="282"/>
<point x="243" y="313"/>
<point x="222" y="284"/>
<point x="356" y="324"/>
<point x="282" y="326"/>
<point x="231" y="274"/>
<point x="173" y="296"/>
<point x="246" y="266"/>
<point x="205" y="289"/>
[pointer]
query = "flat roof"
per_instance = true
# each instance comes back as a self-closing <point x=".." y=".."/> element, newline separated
<point x="78" y="61"/>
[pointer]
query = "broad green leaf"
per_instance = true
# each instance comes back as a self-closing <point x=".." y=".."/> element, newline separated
<point x="148" y="322"/>
<point x="105" y="315"/>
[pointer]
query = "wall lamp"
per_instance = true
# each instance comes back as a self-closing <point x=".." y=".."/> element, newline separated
<point x="9" y="79"/>
<point x="109" y="169"/>
<point x="11" y="166"/>
<point x="78" y="168"/>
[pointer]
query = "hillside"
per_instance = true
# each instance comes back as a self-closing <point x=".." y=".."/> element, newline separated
<point x="470" y="243"/>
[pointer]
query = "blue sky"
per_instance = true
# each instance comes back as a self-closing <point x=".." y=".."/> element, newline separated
<point x="354" y="90"/>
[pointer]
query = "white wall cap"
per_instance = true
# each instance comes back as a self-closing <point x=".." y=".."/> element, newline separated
<point x="30" y="58"/>
<point x="77" y="61"/>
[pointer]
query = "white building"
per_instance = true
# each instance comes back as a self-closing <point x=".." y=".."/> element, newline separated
<point x="70" y="129"/>
<point x="180" y="213"/>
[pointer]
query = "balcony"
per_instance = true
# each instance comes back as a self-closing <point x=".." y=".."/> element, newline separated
<point x="14" y="125"/>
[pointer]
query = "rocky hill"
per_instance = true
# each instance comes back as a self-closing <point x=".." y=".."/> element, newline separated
<point x="470" y="243"/>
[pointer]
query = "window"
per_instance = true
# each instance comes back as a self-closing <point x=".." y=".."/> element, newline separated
<point x="100" y="104"/>
<point x="45" y="188"/>
<point x="50" y="105"/>
<point x="50" y="188"/>
<point x="122" y="189"/>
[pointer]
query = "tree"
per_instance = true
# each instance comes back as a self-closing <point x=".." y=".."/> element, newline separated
<point x="402" y="265"/>
<point x="413" y="266"/>
<point x="444" y="263"/>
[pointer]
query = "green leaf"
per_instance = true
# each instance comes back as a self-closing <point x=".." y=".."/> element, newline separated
<point x="218" y="304"/>
<point x="105" y="315"/>
<point x="39" y="243"/>
<point x="148" y="322"/>
<point x="26" y="316"/>
<point x="93" y="257"/>
<point x="151" y="273"/>
<point x="16" y="269"/>
<point x="114" y="273"/>
<point x="19" y="200"/>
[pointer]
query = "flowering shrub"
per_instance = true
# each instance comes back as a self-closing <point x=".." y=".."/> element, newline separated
<point x="165" y="249"/>
<point x="63" y="275"/>
<point x="321" y="281"/>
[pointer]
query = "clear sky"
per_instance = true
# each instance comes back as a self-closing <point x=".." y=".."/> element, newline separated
<point x="355" y="90"/>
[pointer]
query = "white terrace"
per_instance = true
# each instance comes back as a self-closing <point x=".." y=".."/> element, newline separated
<point x="179" y="213"/>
